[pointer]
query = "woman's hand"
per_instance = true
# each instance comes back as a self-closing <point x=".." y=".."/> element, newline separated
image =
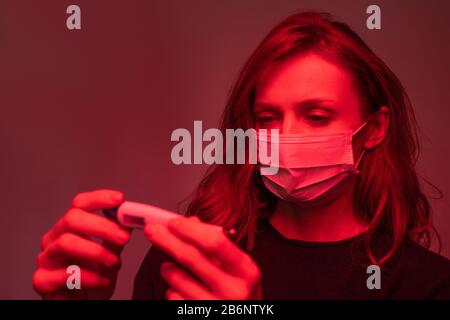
<point x="209" y="265"/>
<point x="71" y="242"/>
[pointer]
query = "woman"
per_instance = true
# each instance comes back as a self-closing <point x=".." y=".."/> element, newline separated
<point x="346" y="195"/>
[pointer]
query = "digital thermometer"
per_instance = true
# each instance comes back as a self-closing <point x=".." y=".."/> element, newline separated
<point x="136" y="215"/>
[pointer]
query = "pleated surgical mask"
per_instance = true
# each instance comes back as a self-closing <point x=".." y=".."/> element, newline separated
<point x="313" y="169"/>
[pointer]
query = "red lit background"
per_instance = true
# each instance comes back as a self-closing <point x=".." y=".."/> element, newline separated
<point x="95" y="108"/>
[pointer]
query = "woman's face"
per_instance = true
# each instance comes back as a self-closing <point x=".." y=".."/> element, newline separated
<point x="307" y="94"/>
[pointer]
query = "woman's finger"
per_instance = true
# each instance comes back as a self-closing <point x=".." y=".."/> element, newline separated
<point x="70" y="247"/>
<point x="215" y="244"/>
<point x="49" y="282"/>
<point x="183" y="283"/>
<point x="97" y="200"/>
<point x="188" y="256"/>
<point x="171" y="294"/>
<point x="89" y="225"/>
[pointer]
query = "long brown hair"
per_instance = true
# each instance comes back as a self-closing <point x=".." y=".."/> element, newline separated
<point x="387" y="190"/>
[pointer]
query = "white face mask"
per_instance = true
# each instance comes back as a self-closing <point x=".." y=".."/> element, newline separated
<point x="313" y="169"/>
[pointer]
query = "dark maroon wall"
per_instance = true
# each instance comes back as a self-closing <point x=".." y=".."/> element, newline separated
<point x="95" y="108"/>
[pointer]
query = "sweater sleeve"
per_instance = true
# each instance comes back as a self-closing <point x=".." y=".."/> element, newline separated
<point x="148" y="284"/>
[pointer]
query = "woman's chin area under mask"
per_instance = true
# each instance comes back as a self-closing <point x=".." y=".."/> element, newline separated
<point x="334" y="221"/>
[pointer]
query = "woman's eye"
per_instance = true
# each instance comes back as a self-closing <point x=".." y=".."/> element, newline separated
<point x="317" y="118"/>
<point x="266" y="119"/>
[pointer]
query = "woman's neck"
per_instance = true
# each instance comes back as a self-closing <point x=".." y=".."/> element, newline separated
<point x="332" y="222"/>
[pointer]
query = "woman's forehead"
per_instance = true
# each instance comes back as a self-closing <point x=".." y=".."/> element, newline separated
<point x="305" y="77"/>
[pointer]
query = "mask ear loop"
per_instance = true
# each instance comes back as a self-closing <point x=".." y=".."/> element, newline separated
<point x="363" y="149"/>
<point x="360" y="128"/>
<point x="359" y="160"/>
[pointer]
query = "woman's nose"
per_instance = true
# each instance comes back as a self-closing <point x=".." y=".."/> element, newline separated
<point x="291" y="125"/>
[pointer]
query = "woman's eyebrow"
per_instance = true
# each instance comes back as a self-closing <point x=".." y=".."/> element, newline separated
<point x="325" y="104"/>
<point x="263" y="106"/>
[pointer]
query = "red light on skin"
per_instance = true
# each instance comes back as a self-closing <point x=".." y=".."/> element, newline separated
<point x="137" y="215"/>
<point x="208" y="265"/>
